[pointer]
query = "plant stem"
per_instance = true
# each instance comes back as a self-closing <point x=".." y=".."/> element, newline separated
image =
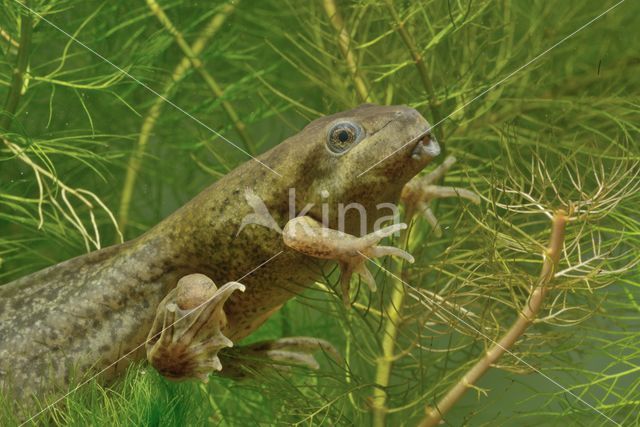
<point x="344" y="43"/>
<point x="209" y="80"/>
<point x="150" y="119"/>
<point x="79" y="193"/>
<point x="422" y="71"/>
<point x="17" y="80"/>
<point x="5" y="35"/>
<point x="385" y="362"/>
<point x="524" y="320"/>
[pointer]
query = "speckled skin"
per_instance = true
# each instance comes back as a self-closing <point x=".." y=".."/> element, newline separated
<point x="69" y="320"/>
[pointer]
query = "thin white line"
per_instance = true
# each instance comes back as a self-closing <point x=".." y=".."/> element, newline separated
<point x="138" y="347"/>
<point x="503" y="80"/>
<point x="506" y="350"/>
<point x="259" y="266"/>
<point x="218" y="134"/>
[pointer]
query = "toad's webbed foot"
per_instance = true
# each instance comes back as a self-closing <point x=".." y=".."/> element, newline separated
<point x="186" y="334"/>
<point x="308" y="236"/>
<point x="280" y="354"/>
<point x="418" y="193"/>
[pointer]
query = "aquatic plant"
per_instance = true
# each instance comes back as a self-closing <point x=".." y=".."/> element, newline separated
<point x="116" y="113"/>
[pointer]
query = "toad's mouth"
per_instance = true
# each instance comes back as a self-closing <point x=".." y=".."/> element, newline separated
<point x="425" y="146"/>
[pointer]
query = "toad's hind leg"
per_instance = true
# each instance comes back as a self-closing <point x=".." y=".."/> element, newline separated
<point x="276" y="355"/>
<point x="186" y="335"/>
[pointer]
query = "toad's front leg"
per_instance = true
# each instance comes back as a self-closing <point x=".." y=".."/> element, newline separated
<point x="308" y="236"/>
<point x="418" y="194"/>
<point x="187" y="332"/>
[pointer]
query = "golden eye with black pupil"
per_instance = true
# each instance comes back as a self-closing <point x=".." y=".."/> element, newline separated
<point x="342" y="136"/>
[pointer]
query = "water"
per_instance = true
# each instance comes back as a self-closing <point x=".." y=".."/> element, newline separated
<point x="537" y="100"/>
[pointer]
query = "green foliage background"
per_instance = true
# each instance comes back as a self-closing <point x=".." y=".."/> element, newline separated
<point x="269" y="68"/>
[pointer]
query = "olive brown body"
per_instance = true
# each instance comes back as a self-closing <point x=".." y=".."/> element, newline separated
<point x="83" y="315"/>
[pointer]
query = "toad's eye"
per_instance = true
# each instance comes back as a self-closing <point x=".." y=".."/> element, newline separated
<point x="342" y="136"/>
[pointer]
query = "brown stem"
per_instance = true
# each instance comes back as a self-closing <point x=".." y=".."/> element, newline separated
<point x="22" y="61"/>
<point x="344" y="43"/>
<point x="525" y="318"/>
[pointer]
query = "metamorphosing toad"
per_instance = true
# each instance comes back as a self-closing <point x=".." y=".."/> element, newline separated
<point x="61" y="324"/>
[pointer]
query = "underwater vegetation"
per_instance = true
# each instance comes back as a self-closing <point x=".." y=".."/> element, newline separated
<point x="523" y="309"/>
